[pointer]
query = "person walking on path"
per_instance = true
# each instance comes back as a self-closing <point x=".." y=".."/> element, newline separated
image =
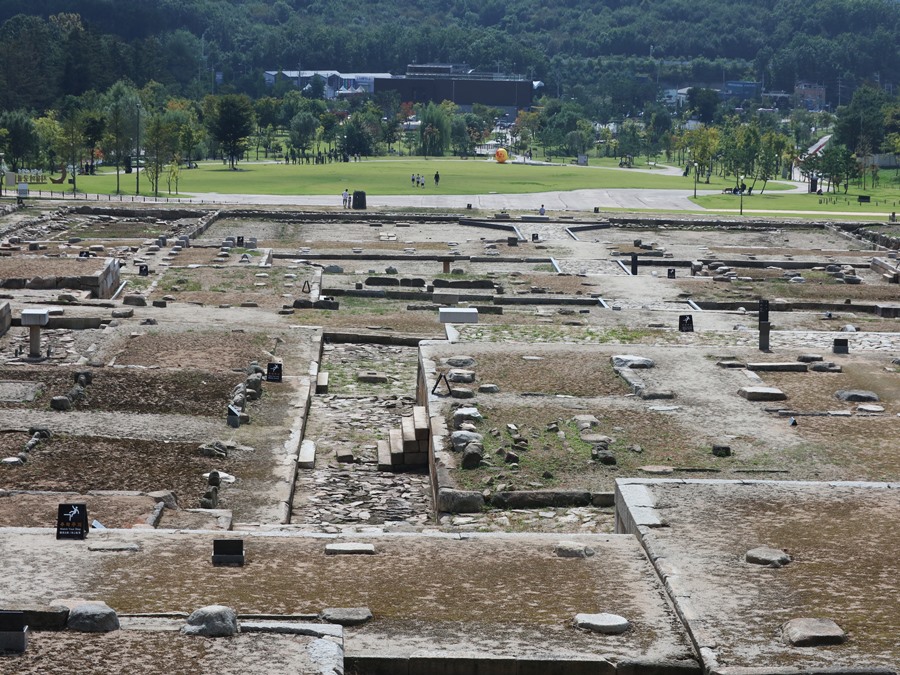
<point x="346" y="196"/>
<point x="437" y="179"/>
<point x="541" y="210"/>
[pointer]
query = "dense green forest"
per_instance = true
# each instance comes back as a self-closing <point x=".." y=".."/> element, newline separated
<point x="607" y="54"/>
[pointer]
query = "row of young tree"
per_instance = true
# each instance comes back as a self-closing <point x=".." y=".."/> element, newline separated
<point x="125" y="126"/>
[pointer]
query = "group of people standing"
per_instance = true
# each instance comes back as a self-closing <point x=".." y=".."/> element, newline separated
<point x="418" y="180"/>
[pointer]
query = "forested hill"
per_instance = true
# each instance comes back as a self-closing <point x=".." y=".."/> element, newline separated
<point x="579" y="48"/>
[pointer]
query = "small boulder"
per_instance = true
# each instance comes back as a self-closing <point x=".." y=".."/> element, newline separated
<point x="764" y="555"/>
<point x="572" y="549"/>
<point x="488" y="389"/>
<point x="212" y="621"/>
<point x="460" y="439"/>
<point x="135" y="300"/>
<point x="60" y="403"/>
<point x="92" y="617"/>
<point x="461" y="376"/>
<point x="460" y="361"/>
<point x="857" y="395"/>
<point x="472" y="456"/>
<point x="812" y="633"/>
<point x="466" y="415"/>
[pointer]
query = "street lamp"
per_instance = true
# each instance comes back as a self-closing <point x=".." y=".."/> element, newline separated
<point x="696" y="175"/>
<point x="741" y="190"/>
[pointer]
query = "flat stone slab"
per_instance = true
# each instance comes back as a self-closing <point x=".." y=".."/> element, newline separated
<point x="812" y="633"/>
<point x="762" y="393"/>
<point x="371" y="377"/>
<point x="19" y="392"/>
<point x="609" y="624"/>
<point x="631" y="361"/>
<point x="869" y="408"/>
<point x="319" y="630"/>
<point x="346" y="616"/>
<point x="657" y="469"/>
<point x="784" y="367"/>
<point x="349" y="548"/>
<point x="114" y="547"/>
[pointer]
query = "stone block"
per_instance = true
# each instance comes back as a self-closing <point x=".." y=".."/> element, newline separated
<point x="762" y="393"/>
<point x="415" y="458"/>
<point x="420" y="422"/>
<point x="35" y="317"/>
<point x="15" y="641"/>
<point x="344" y="455"/>
<point x="322" y="382"/>
<point x="349" y="548"/>
<point x="395" y="441"/>
<point x="307" y="456"/>
<point x="458" y="315"/>
<point x="43" y="617"/>
<point x="408" y="432"/>
<point x="371" y="377"/>
<point x="786" y="367"/>
<point x="384" y="456"/>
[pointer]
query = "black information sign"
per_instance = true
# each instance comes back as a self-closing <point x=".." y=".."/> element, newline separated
<point x="273" y="372"/>
<point x="12" y="622"/>
<point x="634" y="264"/>
<point x="763" y="310"/>
<point x="144" y="270"/>
<point x="686" y="323"/>
<point x="85" y="254"/>
<point x="72" y="521"/>
<point x="670" y="273"/>
<point x="240" y="242"/>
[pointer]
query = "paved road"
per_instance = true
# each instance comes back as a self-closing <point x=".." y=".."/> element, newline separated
<point x="575" y="200"/>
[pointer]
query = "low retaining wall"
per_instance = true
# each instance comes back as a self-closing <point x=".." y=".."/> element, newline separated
<point x="5" y="318"/>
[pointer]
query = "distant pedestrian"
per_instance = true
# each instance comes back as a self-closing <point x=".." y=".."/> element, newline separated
<point x="541" y="210"/>
<point x="412" y="179"/>
<point x="346" y="196"/>
<point x="437" y="179"/>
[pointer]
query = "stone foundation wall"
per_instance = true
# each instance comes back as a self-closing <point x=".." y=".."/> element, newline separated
<point x="5" y="318"/>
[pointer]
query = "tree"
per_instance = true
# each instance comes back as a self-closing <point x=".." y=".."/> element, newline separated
<point x="434" y="132"/>
<point x="160" y="140"/>
<point x="21" y="137"/>
<point x="862" y="123"/>
<point x="303" y="130"/>
<point x="71" y="118"/>
<point x="120" y="104"/>
<point x="772" y="148"/>
<point x="703" y="143"/>
<point x="94" y="130"/>
<point x="838" y="165"/>
<point x="231" y="124"/>
<point x="703" y="103"/>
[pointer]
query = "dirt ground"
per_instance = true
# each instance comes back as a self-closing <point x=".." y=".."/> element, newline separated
<point x="162" y="379"/>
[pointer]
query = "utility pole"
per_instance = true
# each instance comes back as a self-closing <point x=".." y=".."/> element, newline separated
<point x="137" y="154"/>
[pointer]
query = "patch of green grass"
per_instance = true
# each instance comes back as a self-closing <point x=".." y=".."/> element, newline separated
<point x="384" y="176"/>
<point x="884" y="199"/>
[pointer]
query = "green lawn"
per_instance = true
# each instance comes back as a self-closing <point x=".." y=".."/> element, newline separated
<point x="392" y="177"/>
<point x="884" y="200"/>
